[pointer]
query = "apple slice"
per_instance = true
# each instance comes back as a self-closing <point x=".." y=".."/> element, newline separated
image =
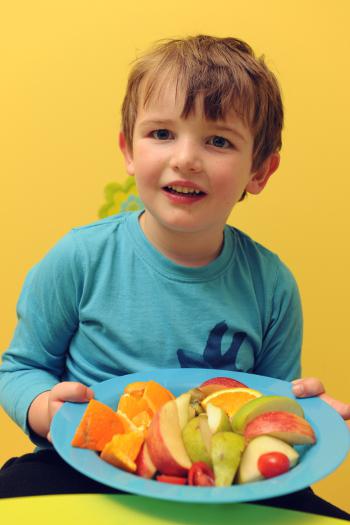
<point x="164" y="442"/>
<point x="144" y="464"/>
<point x="248" y="469"/>
<point x="184" y="409"/>
<point x="218" y="420"/>
<point x="219" y="383"/>
<point x="287" y="426"/>
<point x="263" y="404"/>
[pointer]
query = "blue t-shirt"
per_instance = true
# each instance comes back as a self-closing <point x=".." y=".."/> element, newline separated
<point x="104" y="302"/>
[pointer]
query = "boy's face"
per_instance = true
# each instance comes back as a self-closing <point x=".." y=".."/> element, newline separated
<point x="191" y="172"/>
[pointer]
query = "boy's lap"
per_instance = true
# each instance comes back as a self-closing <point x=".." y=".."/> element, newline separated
<point x="45" y="472"/>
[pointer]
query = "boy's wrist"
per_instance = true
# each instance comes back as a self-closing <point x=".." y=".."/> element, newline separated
<point x="38" y="415"/>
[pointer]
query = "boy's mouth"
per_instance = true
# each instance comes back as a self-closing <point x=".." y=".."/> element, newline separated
<point x="183" y="190"/>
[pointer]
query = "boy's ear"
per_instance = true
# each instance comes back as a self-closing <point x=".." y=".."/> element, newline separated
<point x="262" y="175"/>
<point x="129" y="163"/>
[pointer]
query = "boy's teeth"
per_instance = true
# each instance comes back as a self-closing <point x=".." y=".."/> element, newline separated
<point x="182" y="189"/>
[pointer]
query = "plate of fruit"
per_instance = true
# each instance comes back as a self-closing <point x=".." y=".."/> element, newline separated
<point x="196" y="435"/>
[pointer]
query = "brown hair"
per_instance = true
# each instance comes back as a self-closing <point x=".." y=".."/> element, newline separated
<point x="226" y="72"/>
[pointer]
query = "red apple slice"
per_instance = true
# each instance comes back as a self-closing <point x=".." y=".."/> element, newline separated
<point x="164" y="442"/>
<point x="289" y="427"/>
<point x="145" y="466"/>
<point x="219" y="383"/>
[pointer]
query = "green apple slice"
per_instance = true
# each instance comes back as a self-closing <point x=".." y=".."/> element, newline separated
<point x="263" y="404"/>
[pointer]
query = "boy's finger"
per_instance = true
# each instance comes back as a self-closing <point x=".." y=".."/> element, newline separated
<point x="307" y="387"/>
<point x="342" y="408"/>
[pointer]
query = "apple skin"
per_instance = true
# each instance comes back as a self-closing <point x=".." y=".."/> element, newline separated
<point x="287" y="426"/>
<point x="164" y="442"/>
<point x="219" y="383"/>
<point x="248" y="471"/>
<point x="144" y="464"/>
<point x="259" y="406"/>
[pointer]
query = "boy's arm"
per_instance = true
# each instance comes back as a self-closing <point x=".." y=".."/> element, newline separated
<point x="311" y="386"/>
<point x="48" y="318"/>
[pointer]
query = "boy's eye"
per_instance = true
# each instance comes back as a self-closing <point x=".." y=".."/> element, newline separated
<point x="161" y="134"/>
<point x="220" y="142"/>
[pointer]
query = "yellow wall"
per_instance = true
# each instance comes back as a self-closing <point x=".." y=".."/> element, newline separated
<point x="64" y="69"/>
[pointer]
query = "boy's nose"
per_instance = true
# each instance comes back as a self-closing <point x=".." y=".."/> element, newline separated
<point x="186" y="158"/>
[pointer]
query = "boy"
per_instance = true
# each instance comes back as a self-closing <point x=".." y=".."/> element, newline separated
<point x="172" y="286"/>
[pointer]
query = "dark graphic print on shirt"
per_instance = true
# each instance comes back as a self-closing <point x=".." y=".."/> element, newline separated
<point x="213" y="355"/>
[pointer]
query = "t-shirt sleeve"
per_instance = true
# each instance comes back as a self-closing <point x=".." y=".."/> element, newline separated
<point x="47" y="313"/>
<point x="280" y="355"/>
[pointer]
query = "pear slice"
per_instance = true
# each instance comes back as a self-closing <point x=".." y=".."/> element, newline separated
<point x="218" y="420"/>
<point x="226" y="452"/>
<point x="191" y="412"/>
<point x="196" y="438"/>
<point x="195" y="402"/>
<point x="263" y="404"/>
<point x="248" y="469"/>
<point x="196" y="394"/>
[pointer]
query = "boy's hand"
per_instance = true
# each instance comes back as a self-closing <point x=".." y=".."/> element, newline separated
<point x="66" y="391"/>
<point x="45" y="406"/>
<point x="311" y="386"/>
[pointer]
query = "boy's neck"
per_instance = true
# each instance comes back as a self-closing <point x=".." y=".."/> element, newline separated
<point x="186" y="249"/>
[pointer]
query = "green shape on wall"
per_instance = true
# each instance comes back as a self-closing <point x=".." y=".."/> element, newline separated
<point x="120" y="198"/>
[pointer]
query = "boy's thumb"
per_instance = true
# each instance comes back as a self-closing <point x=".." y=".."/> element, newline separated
<point x="89" y="393"/>
<point x="72" y="391"/>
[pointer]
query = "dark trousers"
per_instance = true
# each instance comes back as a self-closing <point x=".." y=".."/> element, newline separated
<point x="44" y="473"/>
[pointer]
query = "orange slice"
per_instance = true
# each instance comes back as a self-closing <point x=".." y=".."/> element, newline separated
<point x="231" y="399"/>
<point x="128" y="424"/>
<point x="135" y="389"/>
<point x="142" y="419"/>
<point x="156" y="395"/>
<point x="118" y="459"/>
<point x="97" y="426"/>
<point x="123" y="450"/>
<point x="131" y="406"/>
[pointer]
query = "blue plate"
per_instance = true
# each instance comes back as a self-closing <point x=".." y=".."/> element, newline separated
<point x="316" y="462"/>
